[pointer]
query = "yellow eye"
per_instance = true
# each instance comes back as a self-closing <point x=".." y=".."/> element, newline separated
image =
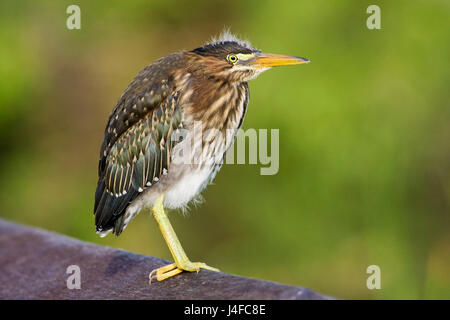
<point x="232" y="58"/>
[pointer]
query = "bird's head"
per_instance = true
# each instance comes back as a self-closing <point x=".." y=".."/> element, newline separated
<point x="234" y="60"/>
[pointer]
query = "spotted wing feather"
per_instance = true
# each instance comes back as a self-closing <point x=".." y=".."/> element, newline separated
<point x="136" y="149"/>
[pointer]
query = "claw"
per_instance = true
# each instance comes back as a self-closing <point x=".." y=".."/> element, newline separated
<point x="173" y="269"/>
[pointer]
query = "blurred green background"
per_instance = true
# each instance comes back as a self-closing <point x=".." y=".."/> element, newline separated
<point x="364" y="136"/>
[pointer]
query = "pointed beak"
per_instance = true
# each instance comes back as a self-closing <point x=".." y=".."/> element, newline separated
<point x="268" y="60"/>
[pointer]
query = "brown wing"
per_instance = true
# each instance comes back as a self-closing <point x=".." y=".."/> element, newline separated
<point x="135" y="151"/>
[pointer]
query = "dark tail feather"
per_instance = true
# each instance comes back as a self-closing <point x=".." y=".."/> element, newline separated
<point x="109" y="209"/>
<point x="99" y="193"/>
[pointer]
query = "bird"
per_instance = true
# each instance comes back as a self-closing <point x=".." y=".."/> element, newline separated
<point x="153" y="157"/>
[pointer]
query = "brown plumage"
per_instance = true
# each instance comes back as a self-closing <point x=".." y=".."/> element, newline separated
<point x="139" y="156"/>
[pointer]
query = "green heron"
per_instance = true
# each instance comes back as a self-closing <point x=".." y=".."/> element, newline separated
<point x="151" y="156"/>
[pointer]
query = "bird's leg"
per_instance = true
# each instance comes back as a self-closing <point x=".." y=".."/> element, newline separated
<point x="182" y="262"/>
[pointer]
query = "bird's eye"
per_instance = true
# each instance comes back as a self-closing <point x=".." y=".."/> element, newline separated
<point x="232" y="58"/>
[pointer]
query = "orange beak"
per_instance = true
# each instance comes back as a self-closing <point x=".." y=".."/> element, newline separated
<point x="268" y="60"/>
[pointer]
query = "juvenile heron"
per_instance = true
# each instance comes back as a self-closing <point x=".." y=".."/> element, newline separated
<point x="151" y="155"/>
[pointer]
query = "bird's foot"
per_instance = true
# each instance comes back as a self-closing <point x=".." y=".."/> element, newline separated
<point x="173" y="269"/>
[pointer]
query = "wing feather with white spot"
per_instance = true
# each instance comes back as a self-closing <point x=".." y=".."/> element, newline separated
<point x="136" y="148"/>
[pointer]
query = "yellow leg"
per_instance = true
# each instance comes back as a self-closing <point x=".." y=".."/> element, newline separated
<point x="182" y="262"/>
